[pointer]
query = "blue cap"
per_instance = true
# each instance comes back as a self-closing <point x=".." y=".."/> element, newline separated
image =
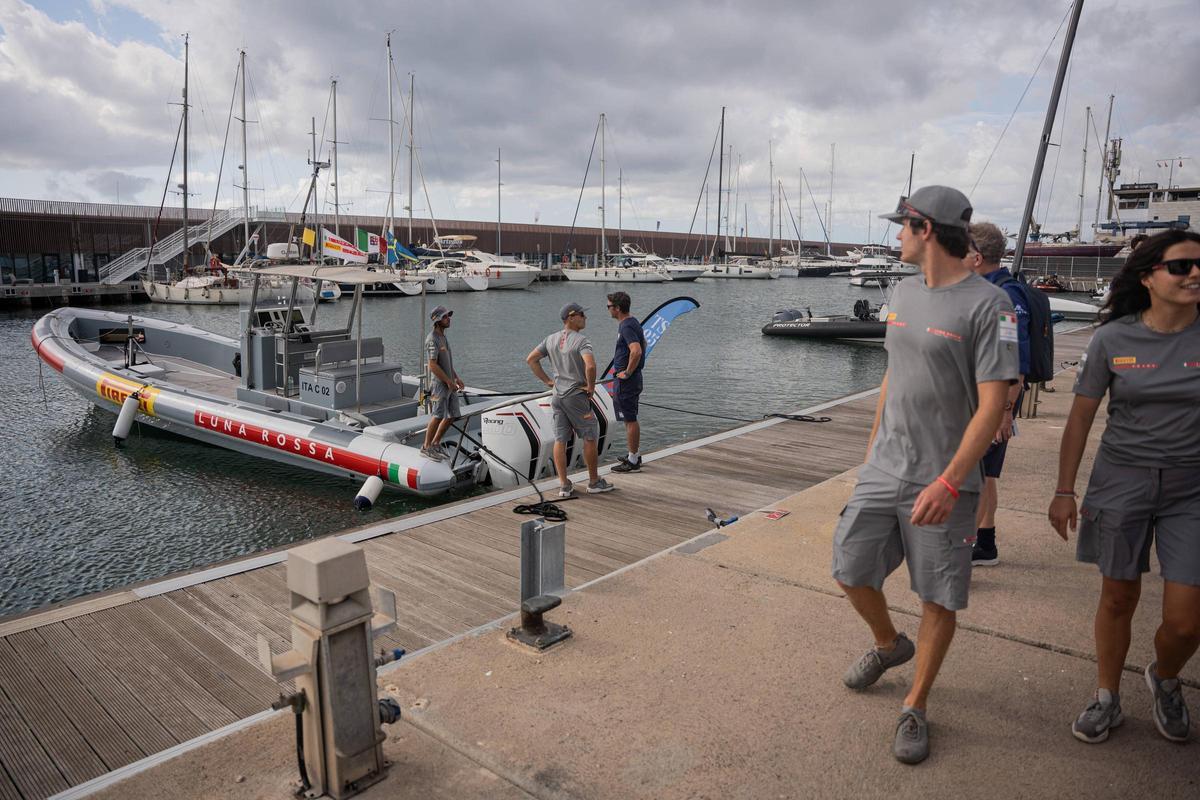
<point x="569" y="309"/>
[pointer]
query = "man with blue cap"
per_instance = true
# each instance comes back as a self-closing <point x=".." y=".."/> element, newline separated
<point x="574" y="383"/>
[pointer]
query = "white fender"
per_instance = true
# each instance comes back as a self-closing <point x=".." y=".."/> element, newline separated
<point x="125" y="418"/>
<point x="369" y="493"/>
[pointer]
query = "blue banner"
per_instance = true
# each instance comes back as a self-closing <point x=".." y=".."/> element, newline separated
<point x="656" y="323"/>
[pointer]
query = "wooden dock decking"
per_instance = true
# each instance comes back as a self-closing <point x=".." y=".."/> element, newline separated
<point x="96" y="684"/>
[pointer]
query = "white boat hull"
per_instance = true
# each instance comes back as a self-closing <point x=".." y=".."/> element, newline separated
<point x="615" y="275"/>
<point x="466" y="282"/>
<point x="741" y="272"/>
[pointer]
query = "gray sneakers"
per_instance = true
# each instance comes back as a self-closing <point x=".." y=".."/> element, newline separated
<point x="566" y="490"/>
<point x="433" y="453"/>
<point x="912" y="737"/>
<point x="875" y="662"/>
<point x="1170" y="713"/>
<point x="600" y="487"/>
<point x="1100" y="717"/>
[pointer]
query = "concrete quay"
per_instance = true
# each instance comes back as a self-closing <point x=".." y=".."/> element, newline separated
<point x="714" y="671"/>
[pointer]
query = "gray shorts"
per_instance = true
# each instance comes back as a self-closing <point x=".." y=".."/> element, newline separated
<point x="874" y="535"/>
<point x="444" y="404"/>
<point x="1128" y="509"/>
<point x="573" y="413"/>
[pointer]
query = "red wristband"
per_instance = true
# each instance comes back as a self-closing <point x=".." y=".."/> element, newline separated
<point x="949" y="487"/>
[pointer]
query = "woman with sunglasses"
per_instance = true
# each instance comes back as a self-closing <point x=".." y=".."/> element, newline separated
<point x="1143" y="489"/>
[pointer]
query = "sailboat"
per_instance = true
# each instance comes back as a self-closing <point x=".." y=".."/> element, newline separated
<point x="728" y="268"/>
<point x="605" y="271"/>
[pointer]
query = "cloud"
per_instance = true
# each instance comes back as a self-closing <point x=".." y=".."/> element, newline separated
<point x="532" y="78"/>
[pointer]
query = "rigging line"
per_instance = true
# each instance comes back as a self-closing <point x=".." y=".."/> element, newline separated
<point x="814" y="204"/>
<point x="425" y="191"/>
<point x="579" y="202"/>
<point x="203" y="106"/>
<point x="221" y="168"/>
<point x="704" y="183"/>
<point x="1017" y="107"/>
<point x="437" y="155"/>
<point x="624" y="185"/>
<point x="163" y="202"/>
<point x="1062" y="133"/>
<point x="267" y="135"/>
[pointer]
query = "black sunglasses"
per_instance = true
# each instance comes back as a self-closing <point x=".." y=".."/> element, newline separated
<point x="1179" y="266"/>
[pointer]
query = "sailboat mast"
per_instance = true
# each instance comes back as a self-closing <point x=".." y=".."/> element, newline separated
<point x="498" y="185"/>
<point x="620" y="207"/>
<point x="1087" y="122"/>
<point x="829" y="208"/>
<point x="720" y="176"/>
<point x="603" y="242"/>
<point x="771" y="198"/>
<point x="1044" y="144"/>
<point x="412" y="97"/>
<point x="912" y="162"/>
<point x="1103" y="166"/>
<point x="316" y="214"/>
<point x="245" y="161"/>
<point x="391" y="208"/>
<point x="337" y="205"/>
<point x="186" y="243"/>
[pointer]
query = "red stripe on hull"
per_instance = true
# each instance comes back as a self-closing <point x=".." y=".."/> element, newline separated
<point x="50" y="358"/>
<point x="297" y="445"/>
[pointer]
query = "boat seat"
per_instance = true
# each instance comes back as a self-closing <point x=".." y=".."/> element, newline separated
<point x="332" y="353"/>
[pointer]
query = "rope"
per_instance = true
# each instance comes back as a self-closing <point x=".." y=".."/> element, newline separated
<point x="792" y="417"/>
<point x="542" y="508"/>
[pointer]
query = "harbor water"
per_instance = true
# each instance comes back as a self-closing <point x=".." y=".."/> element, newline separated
<point x="82" y="516"/>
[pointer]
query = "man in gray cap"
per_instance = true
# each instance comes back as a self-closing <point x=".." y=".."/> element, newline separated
<point x="952" y="354"/>
<point x="574" y="383"/>
<point x="446" y="384"/>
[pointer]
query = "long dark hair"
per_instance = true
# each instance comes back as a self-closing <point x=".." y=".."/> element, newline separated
<point x="1126" y="294"/>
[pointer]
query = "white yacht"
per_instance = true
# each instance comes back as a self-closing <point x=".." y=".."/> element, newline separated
<point x="742" y="271"/>
<point x="610" y="273"/>
<point x="634" y="256"/>
<point x="879" y="271"/>
<point x="460" y="277"/>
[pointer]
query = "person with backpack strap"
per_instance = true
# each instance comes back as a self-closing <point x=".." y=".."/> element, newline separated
<point x="986" y="248"/>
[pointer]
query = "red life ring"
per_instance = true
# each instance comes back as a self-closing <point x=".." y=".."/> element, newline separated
<point x="214" y="263"/>
<point x="487" y="273"/>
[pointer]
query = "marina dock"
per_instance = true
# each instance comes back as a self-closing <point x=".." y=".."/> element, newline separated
<point x="103" y="682"/>
<point x="714" y="670"/>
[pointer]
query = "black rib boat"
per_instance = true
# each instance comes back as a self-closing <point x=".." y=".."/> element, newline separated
<point x="863" y="325"/>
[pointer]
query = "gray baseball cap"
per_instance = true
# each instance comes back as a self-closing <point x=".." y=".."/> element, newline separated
<point x="439" y="312"/>
<point x="569" y="309"/>
<point x="943" y="205"/>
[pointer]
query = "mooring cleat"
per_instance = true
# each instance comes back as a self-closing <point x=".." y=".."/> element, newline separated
<point x="535" y="631"/>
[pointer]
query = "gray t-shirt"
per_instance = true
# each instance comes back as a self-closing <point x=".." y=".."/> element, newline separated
<point x="1153" y="385"/>
<point x="941" y="343"/>
<point x="565" y="350"/>
<point x="437" y="349"/>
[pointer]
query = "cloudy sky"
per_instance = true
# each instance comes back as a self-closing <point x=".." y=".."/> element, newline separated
<point x="88" y="85"/>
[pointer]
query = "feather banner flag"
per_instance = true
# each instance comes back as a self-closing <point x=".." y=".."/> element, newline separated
<point x="339" y="248"/>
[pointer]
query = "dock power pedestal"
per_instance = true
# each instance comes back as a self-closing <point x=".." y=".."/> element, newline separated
<point x="340" y="739"/>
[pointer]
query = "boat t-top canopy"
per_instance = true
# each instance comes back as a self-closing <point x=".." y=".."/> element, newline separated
<point x="316" y="272"/>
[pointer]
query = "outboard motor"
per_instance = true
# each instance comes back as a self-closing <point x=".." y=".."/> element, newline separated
<point x="523" y="437"/>
<point x="862" y="310"/>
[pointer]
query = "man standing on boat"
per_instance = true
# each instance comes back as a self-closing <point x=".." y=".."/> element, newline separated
<point x="627" y="372"/>
<point x="987" y="247"/>
<point x="574" y="382"/>
<point x="446" y="384"/>
<point x="952" y="355"/>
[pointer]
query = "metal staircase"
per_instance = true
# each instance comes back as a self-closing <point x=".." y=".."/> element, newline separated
<point x="170" y="247"/>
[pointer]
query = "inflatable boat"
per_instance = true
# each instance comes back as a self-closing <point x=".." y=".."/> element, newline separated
<point x="328" y="400"/>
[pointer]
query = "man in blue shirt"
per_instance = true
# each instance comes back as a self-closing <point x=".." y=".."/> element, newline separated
<point x="627" y="371"/>
<point x="988" y="244"/>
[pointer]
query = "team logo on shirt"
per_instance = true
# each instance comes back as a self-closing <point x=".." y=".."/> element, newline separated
<point x="1008" y="326"/>
<point x="945" y="334"/>
<point x="891" y="320"/>
<point x="1130" y="362"/>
